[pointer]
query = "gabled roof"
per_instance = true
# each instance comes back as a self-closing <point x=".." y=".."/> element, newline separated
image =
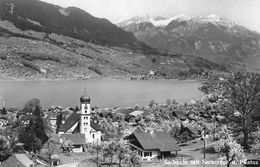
<point x="156" y="141"/>
<point x="18" y="160"/>
<point x="75" y="118"/>
<point x="95" y="125"/>
<point x="191" y="128"/>
<point x="72" y="120"/>
<point x="76" y="139"/>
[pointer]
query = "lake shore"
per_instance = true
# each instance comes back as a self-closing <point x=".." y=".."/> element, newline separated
<point x="95" y="78"/>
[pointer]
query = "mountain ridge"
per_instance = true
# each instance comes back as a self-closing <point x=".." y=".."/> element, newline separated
<point x="213" y="37"/>
<point x="45" y="17"/>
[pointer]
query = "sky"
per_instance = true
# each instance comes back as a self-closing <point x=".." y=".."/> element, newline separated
<point x="245" y="12"/>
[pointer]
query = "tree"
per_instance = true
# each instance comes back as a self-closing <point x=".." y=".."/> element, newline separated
<point x="32" y="133"/>
<point x="255" y="147"/>
<point x="168" y="102"/>
<point x="243" y="93"/>
<point x="5" y="150"/>
<point x="122" y="151"/>
<point x="111" y="150"/>
<point x="67" y="146"/>
<point x="133" y="160"/>
<point x="95" y="148"/>
<point x="50" y="148"/>
<point x="3" y="111"/>
<point x="59" y="122"/>
<point x="227" y="147"/>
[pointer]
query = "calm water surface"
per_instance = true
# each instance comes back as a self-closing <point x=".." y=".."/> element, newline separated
<point x="103" y="93"/>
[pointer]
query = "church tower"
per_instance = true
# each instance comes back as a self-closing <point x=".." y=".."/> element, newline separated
<point x="85" y="114"/>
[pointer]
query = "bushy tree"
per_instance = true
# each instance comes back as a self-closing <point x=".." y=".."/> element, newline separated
<point x="3" y="111"/>
<point x="5" y="148"/>
<point x="51" y="147"/>
<point x="255" y="147"/>
<point x="33" y="134"/>
<point x="237" y="97"/>
<point x="111" y="150"/>
<point x="133" y="160"/>
<point x="243" y="92"/>
<point x="227" y="147"/>
<point x="67" y="146"/>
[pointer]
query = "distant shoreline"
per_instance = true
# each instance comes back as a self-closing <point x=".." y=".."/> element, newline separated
<point x="101" y="78"/>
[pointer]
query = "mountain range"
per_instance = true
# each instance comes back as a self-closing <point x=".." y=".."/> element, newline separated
<point x="71" y="21"/>
<point x="42" y="40"/>
<point x="211" y="37"/>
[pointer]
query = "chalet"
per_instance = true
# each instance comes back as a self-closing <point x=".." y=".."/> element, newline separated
<point x="152" y="145"/>
<point x="80" y="128"/>
<point x="132" y="115"/>
<point x="22" y="160"/>
<point x="190" y="130"/>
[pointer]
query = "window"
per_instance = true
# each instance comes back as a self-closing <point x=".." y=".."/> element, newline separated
<point x="147" y="154"/>
<point x="93" y="136"/>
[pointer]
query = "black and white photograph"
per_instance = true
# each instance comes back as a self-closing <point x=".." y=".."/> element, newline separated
<point x="130" y="83"/>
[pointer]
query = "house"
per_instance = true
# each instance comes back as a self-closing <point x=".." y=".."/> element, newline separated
<point x="152" y="145"/>
<point x="132" y="115"/>
<point x="80" y="127"/>
<point x="78" y="141"/>
<point x="190" y="130"/>
<point x="151" y="72"/>
<point x="22" y="160"/>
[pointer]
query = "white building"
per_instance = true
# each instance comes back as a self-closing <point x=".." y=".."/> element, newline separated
<point x="80" y="128"/>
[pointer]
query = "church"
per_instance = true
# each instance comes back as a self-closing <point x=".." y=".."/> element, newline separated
<point x="80" y="128"/>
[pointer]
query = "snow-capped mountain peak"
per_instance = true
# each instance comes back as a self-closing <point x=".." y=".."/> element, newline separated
<point x="181" y="17"/>
<point x="163" y="22"/>
<point x="156" y="21"/>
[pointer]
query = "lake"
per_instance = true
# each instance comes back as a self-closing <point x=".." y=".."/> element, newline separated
<point x="103" y="92"/>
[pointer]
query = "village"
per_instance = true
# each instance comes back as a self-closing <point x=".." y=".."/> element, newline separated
<point x="169" y="134"/>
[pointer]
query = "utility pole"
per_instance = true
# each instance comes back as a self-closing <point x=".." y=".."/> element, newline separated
<point x="204" y="143"/>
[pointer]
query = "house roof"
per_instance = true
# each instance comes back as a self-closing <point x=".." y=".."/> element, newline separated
<point x="72" y="120"/>
<point x="191" y="128"/>
<point x="75" y="118"/>
<point x="156" y="140"/>
<point x="136" y="113"/>
<point x="17" y="160"/>
<point x="124" y="110"/>
<point x="76" y="139"/>
<point x="95" y="125"/>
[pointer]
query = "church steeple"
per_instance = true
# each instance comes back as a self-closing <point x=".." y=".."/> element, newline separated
<point x="85" y="114"/>
<point x="85" y="98"/>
